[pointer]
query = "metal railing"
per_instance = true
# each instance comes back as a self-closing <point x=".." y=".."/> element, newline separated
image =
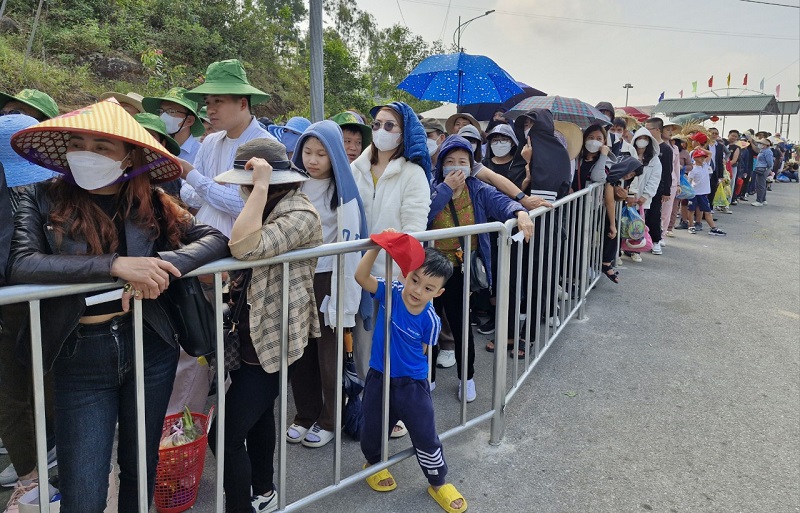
<point x="567" y="231"/>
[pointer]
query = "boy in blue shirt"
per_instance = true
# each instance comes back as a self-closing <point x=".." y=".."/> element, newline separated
<point x="414" y="328"/>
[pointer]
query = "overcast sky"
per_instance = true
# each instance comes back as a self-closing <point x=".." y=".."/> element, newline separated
<point x="589" y="49"/>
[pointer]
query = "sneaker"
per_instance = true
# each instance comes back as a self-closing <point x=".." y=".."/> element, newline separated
<point x="636" y="257"/>
<point x="433" y="386"/>
<point x="716" y="231"/>
<point x="618" y="262"/>
<point x="683" y="225"/>
<point x="487" y="328"/>
<point x="744" y="198"/>
<point x="698" y="227"/>
<point x="446" y="359"/>
<point x="656" y="248"/>
<point x="726" y="210"/>
<point x="8" y="477"/>
<point x="555" y="322"/>
<point x="756" y="204"/>
<point x="317" y="437"/>
<point x="265" y="503"/>
<point x="663" y="243"/>
<point x="734" y="203"/>
<point x="20" y="489"/>
<point x="669" y="233"/>
<point x="471" y="392"/>
<point x="296" y="433"/>
<point x="764" y="202"/>
<point x="692" y="230"/>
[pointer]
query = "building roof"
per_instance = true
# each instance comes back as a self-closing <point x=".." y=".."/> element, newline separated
<point x="751" y="105"/>
<point x="791" y="107"/>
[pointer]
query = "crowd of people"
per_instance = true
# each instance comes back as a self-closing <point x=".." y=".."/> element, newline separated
<point x="141" y="190"/>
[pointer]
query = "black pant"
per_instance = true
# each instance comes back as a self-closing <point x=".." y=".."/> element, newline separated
<point x="652" y="218"/>
<point x="609" y="245"/>
<point x="250" y="418"/>
<point x="450" y="304"/>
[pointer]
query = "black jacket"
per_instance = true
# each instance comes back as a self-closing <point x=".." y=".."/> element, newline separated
<point x="550" y="165"/>
<point x="665" y="184"/>
<point x="6" y="228"/>
<point x="35" y="258"/>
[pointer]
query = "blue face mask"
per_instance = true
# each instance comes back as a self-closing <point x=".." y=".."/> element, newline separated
<point x="446" y="170"/>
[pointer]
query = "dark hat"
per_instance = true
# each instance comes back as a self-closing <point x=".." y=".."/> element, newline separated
<point x="432" y="125"/>
<point x="283" y="170"/>
<point x="605" y="106"/>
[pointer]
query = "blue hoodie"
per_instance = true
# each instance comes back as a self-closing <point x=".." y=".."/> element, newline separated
<point x="352" y="221"/>
<point x="486" y="200"/>
<point x="414" y="136"/>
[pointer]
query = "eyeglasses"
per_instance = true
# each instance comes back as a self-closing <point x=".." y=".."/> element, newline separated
<point x="9" y="112"/>
<point x="172" y="112"/>
<point x="387" y="125"/>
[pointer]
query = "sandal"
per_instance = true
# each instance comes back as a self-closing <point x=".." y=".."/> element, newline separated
<point x="446" y="495"/>
<point x="610" y="273"/>
<point x="399" y="433"/>
<point x="374" y="481"/>
<point x="296" y="433"/>
<point x="490" y="346"/>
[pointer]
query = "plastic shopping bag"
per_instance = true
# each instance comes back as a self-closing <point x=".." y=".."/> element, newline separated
<point x="720" y="197"/>
<point x="687" y="191"/>
<point x="631" y="225"/>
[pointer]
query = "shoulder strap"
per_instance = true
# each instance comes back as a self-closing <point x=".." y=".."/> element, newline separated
<point x="455" y="220"/>
<point x="242" y="299"/>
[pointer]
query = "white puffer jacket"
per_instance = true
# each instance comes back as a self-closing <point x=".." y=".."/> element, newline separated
<point x="400" y="200"/>
<point x="645" y="185"/>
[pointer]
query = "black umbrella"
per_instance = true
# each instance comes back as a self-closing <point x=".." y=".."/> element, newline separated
<point x="484" y="111"/>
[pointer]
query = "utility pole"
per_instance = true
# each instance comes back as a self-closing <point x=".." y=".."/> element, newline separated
<point x="317" y="66"/>
<point x="627" y="88"/>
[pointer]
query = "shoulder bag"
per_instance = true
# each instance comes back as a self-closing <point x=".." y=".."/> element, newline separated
<point x="232" y="318"/>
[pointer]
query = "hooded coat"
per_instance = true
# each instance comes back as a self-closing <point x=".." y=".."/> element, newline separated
<point x="351" y="221"/>
<point x="646" y="184"/>
<point x="551" y="171"/>
<point x="487" y="202"/>
<point x="414" y="136"/>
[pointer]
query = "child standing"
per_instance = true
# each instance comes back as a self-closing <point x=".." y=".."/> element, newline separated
<point x="701" y="183"/>
<point x="414" y="328"/>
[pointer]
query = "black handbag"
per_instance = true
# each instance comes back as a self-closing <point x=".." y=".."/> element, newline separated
<point x="233" y="326"/>
<point x="479" y="277"/>
<point x="192" y="316"/>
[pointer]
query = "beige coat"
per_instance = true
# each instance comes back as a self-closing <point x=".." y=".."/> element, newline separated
<point x="293" y="224"/>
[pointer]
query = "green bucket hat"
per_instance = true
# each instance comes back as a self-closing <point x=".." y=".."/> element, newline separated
<point x="227" y="77"/>
<point x="347" y="119"/>
<point x="33" y="98"/>
<point x="154" y="123"/>
<point x="177" y="95"/>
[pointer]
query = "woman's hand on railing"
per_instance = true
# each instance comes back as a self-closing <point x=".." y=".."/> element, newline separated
<point x="525" y="225"/>
<point x="149" y="276"/>
<point x="533" y="202"/>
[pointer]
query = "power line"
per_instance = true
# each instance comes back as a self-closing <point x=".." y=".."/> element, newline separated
<point x="616" y="24"/>
<point x="770" y="3"/>
<point x="444" y="23"/>
<point x="784" y="69"/>
<point x="401" y="14"/>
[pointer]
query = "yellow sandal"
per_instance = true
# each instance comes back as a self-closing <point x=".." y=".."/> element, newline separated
<point x="446" y="495"/>
<point x="374" y="481"/>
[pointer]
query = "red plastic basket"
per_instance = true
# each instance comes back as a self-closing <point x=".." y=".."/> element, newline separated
<point x="180" y="468"/>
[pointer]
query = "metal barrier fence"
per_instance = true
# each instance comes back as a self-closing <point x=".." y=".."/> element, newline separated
<point x="571" y="230"/>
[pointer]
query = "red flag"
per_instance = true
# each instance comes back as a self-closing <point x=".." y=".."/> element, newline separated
<point x="681" y="93"/>
<point x="711" y="81"/>
<point x="778" y="91"/>
<point x="745" y="80"/>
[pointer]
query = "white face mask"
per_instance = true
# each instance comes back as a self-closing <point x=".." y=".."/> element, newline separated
<point x="93" y="171"/>
<point x="174" y="125"/>
<point x="474" y="147"/>
<point x="446" y="170"/>
<point x="386" y="141"/>
<point x="527" y="131"/>
<point x="592" y="146"/>
<point x="501" y="149"/>
<point x="432" y="146"/>
<point x="760" y="146"/>
<point x="642" y="143"/>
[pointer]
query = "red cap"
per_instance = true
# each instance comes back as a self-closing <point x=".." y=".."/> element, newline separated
<point x="699" y="152"/>
<point x="404" y="249"/>
<point x="699" y="137"/>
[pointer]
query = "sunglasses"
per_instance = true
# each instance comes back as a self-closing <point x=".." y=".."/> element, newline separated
<point x="280" y="165"/>
<point x="9" y="112"/>
<point x="387" y="125"/>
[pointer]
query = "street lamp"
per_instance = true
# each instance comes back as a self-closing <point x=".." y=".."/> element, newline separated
<point x="462" y="26"/>
<point x="627" y="87"/>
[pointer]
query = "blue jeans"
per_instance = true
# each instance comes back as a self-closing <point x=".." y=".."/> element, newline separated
<point x="94" y="389"/>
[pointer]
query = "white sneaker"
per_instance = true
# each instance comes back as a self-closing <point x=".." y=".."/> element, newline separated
<point x="618" y="261"/>
<point x="669" y="233"/>
<point x="663" y="243"/>
<point x="656" y="249"/>
<point x="265" y="503"/>
<point x="8" y="477"/>
<point x="446" y="359"/>
<point x="636" y="257"/>
<point x="757" y="204"/>
<point x="471" y="392"/>
<point x="20" y="489"/>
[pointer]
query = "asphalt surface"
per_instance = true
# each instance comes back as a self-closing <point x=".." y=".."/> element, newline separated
<point x="679" y="393"/>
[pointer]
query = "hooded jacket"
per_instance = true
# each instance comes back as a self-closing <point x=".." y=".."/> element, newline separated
<point x="351" y="221"/>
<point x="551" y="171"/>
<point x="624" y="166"/>
<point x="646" y="184"/>
<point x="414" y="136"/>
<point x="486" y="200"/>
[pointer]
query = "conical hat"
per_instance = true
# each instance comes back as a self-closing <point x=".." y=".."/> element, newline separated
<point x="46" y="143"/>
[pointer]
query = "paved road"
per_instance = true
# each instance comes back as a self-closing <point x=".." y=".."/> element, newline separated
<point x="680" y="393"/>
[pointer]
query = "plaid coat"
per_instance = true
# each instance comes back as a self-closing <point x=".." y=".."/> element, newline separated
<point x="293" y="224"/>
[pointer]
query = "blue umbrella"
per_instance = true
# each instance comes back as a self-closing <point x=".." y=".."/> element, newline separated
<point x="461" y="79"/>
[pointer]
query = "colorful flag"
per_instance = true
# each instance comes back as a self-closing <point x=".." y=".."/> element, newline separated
<point x="661" y="96"/>
<point x="778" y="91"/>
<point x="711" y="81"/>
<point x="745" y="80"/>
<point x="694" y="86"/>
<point x="681" y="92"/>
<point x="729" y="79"/>
<point x="761" y="86"/>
